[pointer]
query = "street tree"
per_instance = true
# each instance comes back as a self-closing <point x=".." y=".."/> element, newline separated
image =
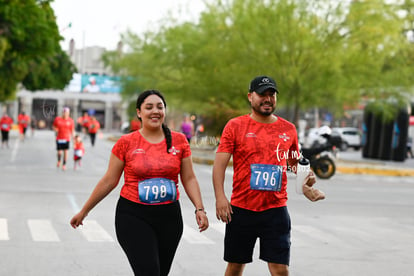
<point x="30" y="53"/>
<point x="322" y="53"/>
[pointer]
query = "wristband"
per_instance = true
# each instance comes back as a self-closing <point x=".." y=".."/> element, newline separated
<point x="201" y="210"/>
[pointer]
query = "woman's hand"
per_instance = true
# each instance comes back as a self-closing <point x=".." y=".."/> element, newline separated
<point x="77" y="220"/>
<point x="202" y="220"/>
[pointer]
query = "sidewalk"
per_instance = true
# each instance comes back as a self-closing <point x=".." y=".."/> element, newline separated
<point x="349" y="162"/>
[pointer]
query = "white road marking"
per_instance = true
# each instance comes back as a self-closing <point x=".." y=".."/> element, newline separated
<point x="194" y="237"/>
<point x="317" y="234"/>
<point x="42" y="230"/>
<point x="219" y="227"/>
<point x="72" y="201"/>
<point x="14" y="151"/>
<point x="4" y="232"/>
<point x="94" y="232"/>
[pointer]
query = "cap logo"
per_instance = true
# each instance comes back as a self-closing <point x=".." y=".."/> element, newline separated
<point x="261" y="83"/>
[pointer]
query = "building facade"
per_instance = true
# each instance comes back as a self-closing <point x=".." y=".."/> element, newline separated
<point x="104" y="102"/>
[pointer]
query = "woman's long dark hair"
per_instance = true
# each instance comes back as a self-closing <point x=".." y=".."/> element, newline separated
<point x="165" y="129"/>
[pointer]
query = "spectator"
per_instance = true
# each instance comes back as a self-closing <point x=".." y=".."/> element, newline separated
<point x="187" y="127"/>
<point x="409" y="147"/>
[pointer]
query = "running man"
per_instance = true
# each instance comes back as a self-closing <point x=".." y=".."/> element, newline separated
<point x="262" y="145"/>
<point x="65" y="130"/>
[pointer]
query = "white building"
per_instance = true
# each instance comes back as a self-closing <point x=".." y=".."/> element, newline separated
<point x="44" y="106"/>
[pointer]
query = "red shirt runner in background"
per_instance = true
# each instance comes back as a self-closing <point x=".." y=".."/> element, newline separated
<point x="5" y="123"/>
<point x="65" y="128"/>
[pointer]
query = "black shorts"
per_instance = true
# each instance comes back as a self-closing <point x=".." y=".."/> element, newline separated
<point x="272" y="227"/>
<point x="62" y="145"/>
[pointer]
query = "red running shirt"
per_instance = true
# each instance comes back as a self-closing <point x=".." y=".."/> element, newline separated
<point x="256" y="147"/>
<point x="78" y="149"/>
<point x="65" y="128"/>
<point x="23" y="120"/>
<point x="93" y="126"/>
<point x="144" y="160"/>
<point x="84" y="120"/>
<point x="5" y="123"/>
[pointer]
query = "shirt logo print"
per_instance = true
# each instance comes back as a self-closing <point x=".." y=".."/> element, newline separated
<point x="284" y="137"/>
<point x="138" y="151"/>
<point x="250" y="135"/>
<point x="173" y="151"/>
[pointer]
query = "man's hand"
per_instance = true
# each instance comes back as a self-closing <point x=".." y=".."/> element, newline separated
<point x="223" y="210"/>
<point x="310" y="192"/>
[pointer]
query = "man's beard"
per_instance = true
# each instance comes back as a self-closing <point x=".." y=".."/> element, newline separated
<point x="263" y="113"/>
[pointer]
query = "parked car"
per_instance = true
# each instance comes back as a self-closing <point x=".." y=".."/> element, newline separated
<point x="351" y="137"/>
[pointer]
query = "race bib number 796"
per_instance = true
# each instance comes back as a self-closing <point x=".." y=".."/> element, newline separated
<point x="266" y="177"/>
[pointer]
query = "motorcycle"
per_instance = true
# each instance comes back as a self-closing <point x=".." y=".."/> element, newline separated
<point x="322" y="158"/>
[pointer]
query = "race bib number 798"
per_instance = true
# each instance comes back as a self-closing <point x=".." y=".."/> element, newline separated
<point x="157" y="190"/>
<point x="266" y="177"/>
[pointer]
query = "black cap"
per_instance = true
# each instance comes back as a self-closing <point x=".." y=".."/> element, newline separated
<point x="262" y="83"/>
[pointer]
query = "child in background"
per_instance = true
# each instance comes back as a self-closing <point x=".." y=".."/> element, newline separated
<point x="79" y="151"/>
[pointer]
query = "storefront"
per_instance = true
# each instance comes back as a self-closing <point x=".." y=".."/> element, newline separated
<point x="44" y="106"/>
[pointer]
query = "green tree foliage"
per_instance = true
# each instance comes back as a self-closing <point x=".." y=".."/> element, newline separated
<point x="30" y="52"/>
<point x="322" y="53"/>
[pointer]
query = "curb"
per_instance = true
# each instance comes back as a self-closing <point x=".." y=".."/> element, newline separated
<point x="375" y="171"/>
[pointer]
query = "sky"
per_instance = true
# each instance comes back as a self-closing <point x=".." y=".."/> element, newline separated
<point x="100" y="22"/>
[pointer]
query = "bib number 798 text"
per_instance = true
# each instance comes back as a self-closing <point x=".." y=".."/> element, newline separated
<point x="157" y="190"/>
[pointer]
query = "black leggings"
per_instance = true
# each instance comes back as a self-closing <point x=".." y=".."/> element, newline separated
<point x="149" y="235"/>
<point x="93" y="138"/>
<point x="4" y="136"/>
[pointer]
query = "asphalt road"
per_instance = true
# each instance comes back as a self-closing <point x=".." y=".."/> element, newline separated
<point x="364" y="227"/>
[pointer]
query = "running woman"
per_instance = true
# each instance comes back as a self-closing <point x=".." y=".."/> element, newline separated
<point x="148" y="218"/>
<point x="93" y="127"/>
<point x="65" y="129"/>
<point x="23" y="120"/>
<point x="262" y="144"/>
<point x="6" y="123"/>
<point x="83" y="122"/>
